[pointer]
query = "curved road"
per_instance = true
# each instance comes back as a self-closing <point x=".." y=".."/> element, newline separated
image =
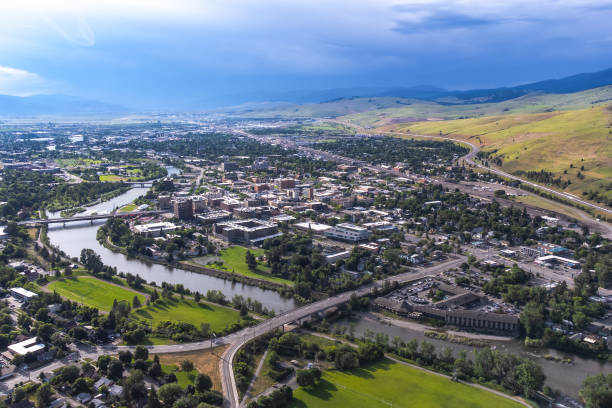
<point x="240" y="338"/>
<point x="470" y="159"/>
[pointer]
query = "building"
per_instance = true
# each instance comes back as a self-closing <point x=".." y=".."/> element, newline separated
<point x="531" y="252"/>
<point x="348" y="232"/>
<point x="155" y="229"/>
<point x="286" y="183"/>
<point x="554" y="259"/>
<point x="27" y="346"/>
<point x="229" y="166"/>
<point x="183" y="209"/>
<point x="249" y="230"/>
<point x="164" y="202"/>
<point x="213" y="217"/>
<point x="22" y="294"/>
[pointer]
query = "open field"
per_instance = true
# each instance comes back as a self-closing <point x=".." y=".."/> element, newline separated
<point x="204" y="361"/>
<point x="550" y="205"/>
<point x="188" y="311"/>
<point x="386" y="384"/>
<point x="128" y="207"/>
<point x="234" y="260"/>
<point x="93" y="292"/>
<point x="559" y="142"/>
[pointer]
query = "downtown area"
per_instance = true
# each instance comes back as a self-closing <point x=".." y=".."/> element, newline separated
<point x="183" y="262"/>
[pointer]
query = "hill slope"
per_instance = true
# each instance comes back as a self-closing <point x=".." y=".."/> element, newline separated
<point x="573" y="145"/>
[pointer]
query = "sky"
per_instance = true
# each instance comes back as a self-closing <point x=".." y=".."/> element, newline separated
<point x="185" y="53"/>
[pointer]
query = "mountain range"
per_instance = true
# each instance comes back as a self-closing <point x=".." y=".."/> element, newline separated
<point x="70" y="105"/>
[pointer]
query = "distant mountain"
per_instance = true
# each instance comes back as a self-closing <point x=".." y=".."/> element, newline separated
<point x="571" y="84"/>
<point x="54" y="105"/>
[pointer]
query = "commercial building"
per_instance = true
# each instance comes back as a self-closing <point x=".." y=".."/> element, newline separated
<point x="165" y="202"/>
<point x="531" y="252"/>
<point x="155" y="229"/>
<point x="250" y="230"/>
<point x="213" y="217"/>
<point x="348" y="232"/>
<point x="183" y="209"/>
<point x="22" y="294"/>
<point x="27" y="346"/>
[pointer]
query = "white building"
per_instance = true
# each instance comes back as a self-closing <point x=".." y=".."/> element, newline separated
<point x="26" y="346"/>
<point x="22" y="294"/>
<point x="348" y="232"/>
<point x="155" y="229"/>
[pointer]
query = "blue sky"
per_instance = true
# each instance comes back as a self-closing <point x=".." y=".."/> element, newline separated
<point x="168" y="53"/>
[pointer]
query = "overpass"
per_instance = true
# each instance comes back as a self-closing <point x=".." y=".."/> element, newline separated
<point x="64" y="220"/>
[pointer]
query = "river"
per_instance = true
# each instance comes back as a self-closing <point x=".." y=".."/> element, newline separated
<point x="78" y="235"/>
<point x="559" y="376"/>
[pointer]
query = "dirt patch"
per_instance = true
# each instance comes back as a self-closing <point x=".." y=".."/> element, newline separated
<point x="205" y="361"/>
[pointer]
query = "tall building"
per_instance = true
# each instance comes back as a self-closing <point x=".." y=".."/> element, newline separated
<point x="183" y="209"/>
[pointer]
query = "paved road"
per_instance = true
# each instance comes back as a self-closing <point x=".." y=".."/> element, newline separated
<point x="470" y="159"/>
<point x="240" y="338"/>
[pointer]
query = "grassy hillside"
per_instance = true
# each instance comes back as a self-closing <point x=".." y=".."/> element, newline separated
<point x="378" y="111"/>
<point x="558" y="142"/>
<point x="532" y="103"/>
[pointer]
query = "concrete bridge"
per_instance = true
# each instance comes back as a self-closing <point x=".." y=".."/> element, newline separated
<point x="92" y="218"/>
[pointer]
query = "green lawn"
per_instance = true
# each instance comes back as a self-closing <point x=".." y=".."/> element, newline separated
<point x="188" y="311"/>
<point x="93" y="292"/>
<point x="182" y="378"/>
<point x="234" y="259"/>
<point x="128" y="207"/>
<point x="385" y="384"/>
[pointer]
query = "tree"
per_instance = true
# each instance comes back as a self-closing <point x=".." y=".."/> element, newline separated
<point x="44" y="395"/>
<point x="304" y="378"/>
<point x="45" y="331"/>
<point x="251" y="261"/>
<point x="596" y="391"/>
<point x="125" y="357"/>
<point x="141" y="353"/>
<point x="115" y="370"/>
<point x="136" y="302"/>
<point x="152" y="400"/>
<point x="103" y="362"/>
<point x="532" y="320"/>
<point x="202" y="383"/>
<point x="169" y="393"/>
<point x="530" y="377"/>
<point x="187" y="365"/>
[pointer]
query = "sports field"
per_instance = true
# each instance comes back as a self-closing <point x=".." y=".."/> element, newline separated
<point x="234" y="260"/>
<point x="93" y="292"/>
<point x="188" y="311"/>
<point x="388" y="384"/>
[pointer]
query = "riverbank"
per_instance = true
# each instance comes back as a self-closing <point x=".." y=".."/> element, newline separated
<point x="284" y="290"/>
<point x="424" y="328"/>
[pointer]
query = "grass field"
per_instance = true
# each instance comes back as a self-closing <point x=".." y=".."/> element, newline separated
<point x="93" y="292"/>
<point x="386" y="384"/>
<point x="552" y="141"/>
<point x="234" y="260"/>
<point x="204" y="361"/>
<point x="128" y="207"/>
<point x="182" y="378"/>
<point x="187" y="310"/>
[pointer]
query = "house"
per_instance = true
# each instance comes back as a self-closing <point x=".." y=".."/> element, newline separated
<point x="83" y="397"/>
<point x="103" y="381"/>
<point x="115" y="390"/>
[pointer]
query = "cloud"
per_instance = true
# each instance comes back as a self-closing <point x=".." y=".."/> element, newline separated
<point x="18" y="82"/>
<point x="73" y="29"/>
